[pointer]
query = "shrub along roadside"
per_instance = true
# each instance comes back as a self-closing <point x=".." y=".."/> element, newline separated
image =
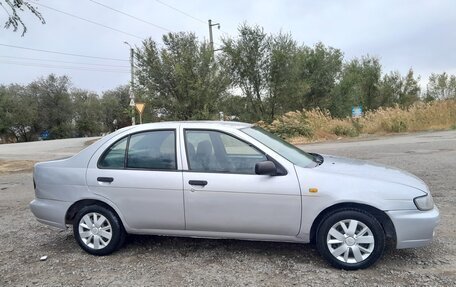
<point x="319" y="125"/>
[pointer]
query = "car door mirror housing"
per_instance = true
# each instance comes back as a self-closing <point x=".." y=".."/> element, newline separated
<point x="266" y="167"/>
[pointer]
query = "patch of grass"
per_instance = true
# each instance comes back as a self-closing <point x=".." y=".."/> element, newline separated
<point x="316" y="124"/>
<point x="89" y="142"/>
<point x="14" y="166"/>
<point x="345" y="130"/>
<point x="291" y="124"/>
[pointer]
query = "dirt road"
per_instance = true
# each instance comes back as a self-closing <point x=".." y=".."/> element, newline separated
<point x="170" y="261"/>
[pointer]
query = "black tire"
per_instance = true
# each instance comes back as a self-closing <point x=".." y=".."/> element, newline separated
<point x="364" y="219"/>
<point x="111" y="224"/>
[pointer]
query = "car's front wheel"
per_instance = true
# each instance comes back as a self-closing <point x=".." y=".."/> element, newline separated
<point x="98" y="230"/>
<point x="351" y="239"/>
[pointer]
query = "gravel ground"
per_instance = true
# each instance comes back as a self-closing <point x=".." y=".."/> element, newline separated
<point x="171" y="261"/>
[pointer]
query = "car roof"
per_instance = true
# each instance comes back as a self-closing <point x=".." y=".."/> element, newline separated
<point x="194" y="124"/>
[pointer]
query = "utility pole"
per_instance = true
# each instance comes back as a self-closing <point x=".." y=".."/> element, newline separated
<point x="211" y="39"/>
<point x="132" y="82"/>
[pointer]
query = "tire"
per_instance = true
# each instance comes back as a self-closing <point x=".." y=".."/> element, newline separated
<point x="98" y="230"/>
<point x="350" y="239"/>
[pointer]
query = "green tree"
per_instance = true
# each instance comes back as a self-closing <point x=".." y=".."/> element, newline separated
<point x="441" y="86"/>
<point x="266" y="69"/>
<point x="180" y="80"/>
<point x="359" y="85"/>
<point x="395" y="89"/>
<point x="391" y="87"/>
<point x="284" y="85"/>
<point x="19" y="113"/>
<point x="115" y="108"/>
<point x="371" y="71"/>
<point x="247" y="60"/>
<point x="87" y="113"/>
<point x="235" y="106"/>
<point x="12" y="8"/>
<point x="320" y="67"/>
<point x="5" y="111"/>
<point x="411" y="90"/>
<point x="54" y="105"/>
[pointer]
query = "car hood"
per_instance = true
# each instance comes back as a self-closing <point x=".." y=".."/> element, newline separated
<point x="369" y="170"/>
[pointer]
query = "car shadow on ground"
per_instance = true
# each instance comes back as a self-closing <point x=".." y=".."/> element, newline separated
<point x="218" y="250"/>
<point x="191" y="246"/>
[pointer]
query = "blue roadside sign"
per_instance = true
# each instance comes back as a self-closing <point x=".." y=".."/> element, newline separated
<point x="357" y="111"/>
<point x="44" y="135"/>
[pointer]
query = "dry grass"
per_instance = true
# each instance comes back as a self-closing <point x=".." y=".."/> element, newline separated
<point x="318" y="125"/>
<point x="89" y="142"/>
<point x="436" y="115"/>
<point x="13" y="166"/>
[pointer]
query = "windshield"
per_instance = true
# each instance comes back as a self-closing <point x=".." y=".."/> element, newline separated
<point x="285" y="149"/>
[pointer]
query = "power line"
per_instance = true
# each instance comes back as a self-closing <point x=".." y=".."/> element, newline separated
<point x="182" y="12"/>
<point x="65" y="62"/>
<point x="63" y="53"/>
<point x="186" y="14"/>
<point x="63" y="67"/>
<point x="131" y="16"/>
<point x="87" y="20"/>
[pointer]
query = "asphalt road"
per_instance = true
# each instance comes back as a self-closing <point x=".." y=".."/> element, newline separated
<point x="170" y="261"/>
<point x="42" y="150"/>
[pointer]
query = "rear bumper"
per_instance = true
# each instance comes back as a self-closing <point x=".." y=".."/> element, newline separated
<point x="414" y="228"/>
<point x="50" y="212"/>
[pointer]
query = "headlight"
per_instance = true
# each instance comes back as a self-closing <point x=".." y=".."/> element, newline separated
<point x="424" y="202"/>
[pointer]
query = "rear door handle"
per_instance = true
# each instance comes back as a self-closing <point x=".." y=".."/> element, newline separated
<point x="105" y="179"/>
<point x="197" y="182"/>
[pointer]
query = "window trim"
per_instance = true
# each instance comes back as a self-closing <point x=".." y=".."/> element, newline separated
<point x="125" y="167"/>
<point x="280" y="167"/>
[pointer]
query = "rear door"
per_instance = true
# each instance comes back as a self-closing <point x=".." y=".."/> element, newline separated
<point x="223" y="194"/>
<point x="140" y="175"/>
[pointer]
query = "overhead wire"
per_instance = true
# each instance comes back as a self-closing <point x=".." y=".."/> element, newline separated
<point x="65" y="62"/>
<point x="182" y="12"/>
<point x="131" y="16"/>
<point x="87" y="20"/>
<point x="89" y="56"/>
<point x="186" y="14"/>
<point x="64" y="53"/>
<point x="63" y="67"/>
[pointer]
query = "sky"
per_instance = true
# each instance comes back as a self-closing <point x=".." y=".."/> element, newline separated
<point x="403" y="34"/>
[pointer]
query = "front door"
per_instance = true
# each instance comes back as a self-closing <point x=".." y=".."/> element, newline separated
<point x="222" y="192"/>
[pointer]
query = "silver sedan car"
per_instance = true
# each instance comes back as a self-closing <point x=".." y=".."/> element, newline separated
<point x="231" y="180"/>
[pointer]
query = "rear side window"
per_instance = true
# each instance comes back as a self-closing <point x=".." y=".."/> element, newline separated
<point x="115" y="156"/>
<point x="152" y="150"/>
<point x="147" y="150"/>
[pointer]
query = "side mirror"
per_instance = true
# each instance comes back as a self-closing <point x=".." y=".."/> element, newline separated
<point x="265" y="168"/>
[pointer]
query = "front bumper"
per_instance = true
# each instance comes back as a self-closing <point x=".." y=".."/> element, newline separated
<point x="414" y="228"/>
<point x="50" y="212"/>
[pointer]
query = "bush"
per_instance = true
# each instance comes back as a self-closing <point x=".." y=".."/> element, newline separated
<point x="395" y="126"/>
<point x="291" y="124"/>
<point x="346" y="130"/>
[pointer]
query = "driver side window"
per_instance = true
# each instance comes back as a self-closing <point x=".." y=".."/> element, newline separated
<point x="213" y="151"/>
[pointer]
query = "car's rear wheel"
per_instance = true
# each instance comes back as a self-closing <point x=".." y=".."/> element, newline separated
<point x="351" y="239"/>
<point x="98" y="230"/>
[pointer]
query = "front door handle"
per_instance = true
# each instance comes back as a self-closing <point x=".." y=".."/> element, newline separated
<point x="105" y="179"/>
<point x="197" y="182"/>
